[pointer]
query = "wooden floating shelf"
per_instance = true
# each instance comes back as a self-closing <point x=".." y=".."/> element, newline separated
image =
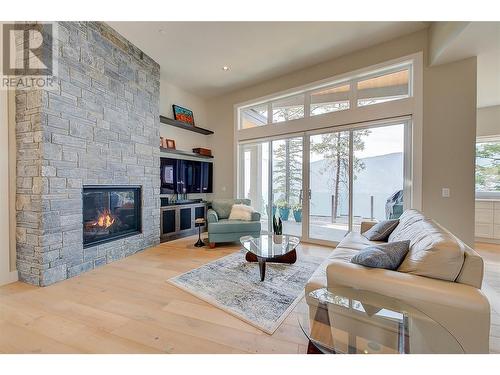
<point x="184" y="153"/>
<point x="183" y="125"/>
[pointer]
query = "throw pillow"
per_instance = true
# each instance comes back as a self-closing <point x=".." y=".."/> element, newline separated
<point x="241" y="212"/>
<point x="381" y="231"/>
<point x="388" y="255"/>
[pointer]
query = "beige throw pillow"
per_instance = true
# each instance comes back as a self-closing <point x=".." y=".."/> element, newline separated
<point x="241" y="212"/>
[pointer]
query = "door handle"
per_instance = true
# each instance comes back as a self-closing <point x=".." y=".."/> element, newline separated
<point x="301" y="194"/>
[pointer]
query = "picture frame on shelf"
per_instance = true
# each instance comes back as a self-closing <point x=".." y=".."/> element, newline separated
<point x="169" y="144"/>
<point x="183" y="114"/>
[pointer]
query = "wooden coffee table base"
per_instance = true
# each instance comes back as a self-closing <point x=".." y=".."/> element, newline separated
<point x="313" y="349"/>
<point x="288" y="258"/>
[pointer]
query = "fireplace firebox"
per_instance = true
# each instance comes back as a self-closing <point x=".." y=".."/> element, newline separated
<point x="110" y="213"/>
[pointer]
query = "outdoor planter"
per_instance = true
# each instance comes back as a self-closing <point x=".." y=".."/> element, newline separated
<point x="284" y="213"/>
<point x="297" y="215"/>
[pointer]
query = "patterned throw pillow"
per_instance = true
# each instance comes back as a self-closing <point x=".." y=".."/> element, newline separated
<point x="388" y="255"/>
<point x="381" y="231"/>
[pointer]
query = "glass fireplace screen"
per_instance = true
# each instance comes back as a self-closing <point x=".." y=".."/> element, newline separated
<point x="110" y="212"/>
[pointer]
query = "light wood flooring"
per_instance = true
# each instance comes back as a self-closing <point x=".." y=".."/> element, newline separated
<point x="128" y="307"/>
<point x="491" y="287"/>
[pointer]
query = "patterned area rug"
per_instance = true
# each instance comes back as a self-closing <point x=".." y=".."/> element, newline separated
<point x="233" y="285"/>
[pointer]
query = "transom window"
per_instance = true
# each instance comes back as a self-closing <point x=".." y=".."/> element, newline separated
<point x="287" y="109"/>
<point x="330" y="99"/>
<point x="383" y="88"/>
<point x="389" y="84"/>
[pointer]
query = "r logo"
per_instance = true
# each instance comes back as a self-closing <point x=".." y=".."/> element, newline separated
<point x="27" y="49"/>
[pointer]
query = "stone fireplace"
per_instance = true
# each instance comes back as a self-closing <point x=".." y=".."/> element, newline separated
<point x="99" y="129"/>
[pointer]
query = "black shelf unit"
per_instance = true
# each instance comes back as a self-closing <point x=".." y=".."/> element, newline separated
<point x="184" y="153"/>
<point x="183" y="125"/>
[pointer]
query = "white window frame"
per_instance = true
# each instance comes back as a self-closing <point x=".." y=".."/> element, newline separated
<point x="408" y="186"/>
<point x="307" y="90"/>
<point x="411" y="107"/>
<point x="485" y="194"/>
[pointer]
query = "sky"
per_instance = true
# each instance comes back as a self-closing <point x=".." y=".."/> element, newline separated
<point x="382" y="141"/>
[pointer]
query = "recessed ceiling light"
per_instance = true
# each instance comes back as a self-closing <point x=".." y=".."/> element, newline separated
<point x="225" y="68"/>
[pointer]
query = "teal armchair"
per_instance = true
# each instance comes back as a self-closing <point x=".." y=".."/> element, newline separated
<point x="221" y="229"/>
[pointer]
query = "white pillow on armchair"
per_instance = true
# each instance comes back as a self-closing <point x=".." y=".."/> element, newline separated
<point x="241" y="212"/>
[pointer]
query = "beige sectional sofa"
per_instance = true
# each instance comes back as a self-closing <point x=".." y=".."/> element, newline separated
<point x="440" y="276"/>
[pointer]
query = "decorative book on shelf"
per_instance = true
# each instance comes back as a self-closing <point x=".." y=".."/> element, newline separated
<point x="185" y="126"/>
<point x="202" y="151"/>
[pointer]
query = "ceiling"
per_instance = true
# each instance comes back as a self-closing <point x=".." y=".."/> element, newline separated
<point x="192" y="54"/>
<point x="481" y="39"/>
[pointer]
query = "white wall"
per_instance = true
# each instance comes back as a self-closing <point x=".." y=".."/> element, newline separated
<point x="184" y="140"/>
<point x="449" y="145"/>
<point x="441" y="35"/>
<point x="488" y="121"/>
<point x="7" y="273"/>
<point x="448" y="128"/>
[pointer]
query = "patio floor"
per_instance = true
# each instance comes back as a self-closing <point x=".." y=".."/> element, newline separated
<point x="321" y="228"/>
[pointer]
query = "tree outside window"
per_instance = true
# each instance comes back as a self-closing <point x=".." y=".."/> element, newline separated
<point x="488" y="168"/>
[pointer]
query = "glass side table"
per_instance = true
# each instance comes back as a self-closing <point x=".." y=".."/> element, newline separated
<point x="351" y="321"/>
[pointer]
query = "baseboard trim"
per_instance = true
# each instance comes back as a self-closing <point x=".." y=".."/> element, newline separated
<point x="11" y="277"/>
<point x="487" y="240"/>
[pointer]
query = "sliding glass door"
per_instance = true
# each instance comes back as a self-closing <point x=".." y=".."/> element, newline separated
<point x="270" y="175"/>
<point x="378" y="173"/>
<point x="286" y="177"/>
<point x="323" y="185"/>
<point x="254" y="178"/>
<point x="329" y="186"/>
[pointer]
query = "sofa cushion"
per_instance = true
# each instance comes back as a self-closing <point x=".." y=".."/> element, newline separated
<point x="355" y="241"/>
<point x="404" y="228"/>
<point x="343" y="254"/>
<point x="381" y="231"/>
<point x="434" y="252"/>
<point x="318" y="279"/>
<point x="387" y="255"/>
<point x="234" y="226"/>
<point x="223" y="206"/>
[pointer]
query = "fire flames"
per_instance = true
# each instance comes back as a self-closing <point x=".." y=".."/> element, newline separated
<point x="105" y="220"/>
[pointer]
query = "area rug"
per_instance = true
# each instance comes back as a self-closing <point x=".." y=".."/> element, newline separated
<point x="233" y="285"/>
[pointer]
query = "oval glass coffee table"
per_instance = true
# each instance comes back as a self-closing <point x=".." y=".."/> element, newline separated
<point x="350" y="321"/>
<point x="263" y="249"/>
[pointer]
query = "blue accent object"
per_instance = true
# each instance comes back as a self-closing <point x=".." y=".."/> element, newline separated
<point x="297" y="215"/>
<point x="221" y="229"/>
<point x="394" y="205"/>
<point x="284" y="213"/>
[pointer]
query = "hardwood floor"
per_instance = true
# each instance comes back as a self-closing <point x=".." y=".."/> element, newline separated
<point x="491" y="287"/>
<point x="128" y="307"/>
